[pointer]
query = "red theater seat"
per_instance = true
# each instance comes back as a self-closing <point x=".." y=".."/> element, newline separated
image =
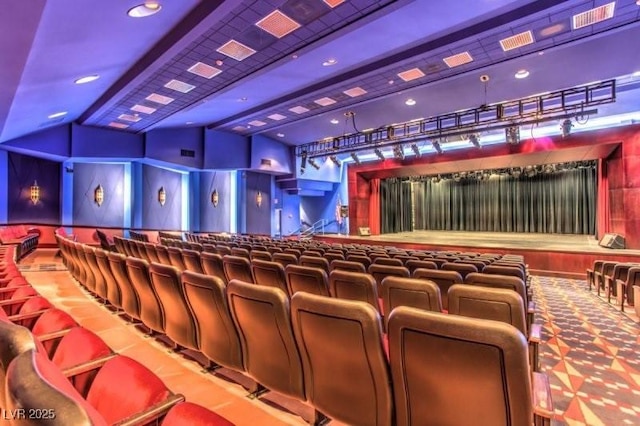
<point x="187" y="413"/>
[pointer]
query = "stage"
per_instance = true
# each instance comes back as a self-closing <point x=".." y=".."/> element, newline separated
<point x="565" y="255"/>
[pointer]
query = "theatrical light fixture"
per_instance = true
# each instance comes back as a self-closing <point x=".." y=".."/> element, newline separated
<point x="354" y="155"/>
<point x="303" y="162"/>
<point x="57" y="114"/>
<point x="87" y="79"/>
<point x="313" y="163"/>
<point x="379" y="153"/>
<point x="335" y="160"/>
<point x="415" y="149"/>
<point x="398" y="152"/>
<point x="35" y="192"/>
<point x="512" y="135"/>
<point x="522" y="74"/>
<point x="391" y="131"/>
<point x="436" y="146"/>
<point x="98" y="195"/>
<point x="410" y="102"/>
<point x="162" y="196"/>
<point x="565" y="127"/>
<point x="475" y="140"/>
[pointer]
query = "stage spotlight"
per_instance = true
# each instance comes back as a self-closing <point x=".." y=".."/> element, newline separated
<point x="379" y="153"/>
<point x="398" y="152"/>
<point x="335" y="160"/>
<point x="313" y="163"/>
<point x="565" y="127"/>
<point x="390" y="132"/>
<point x="436" y="146"/>
<point x="303" y="162"/>
<point x="512" y="134"/>
<point x="415" y="149"/>
<point x="336" y="143"/>
<point x="474" y="138"/>
<point x="354" y="155"/>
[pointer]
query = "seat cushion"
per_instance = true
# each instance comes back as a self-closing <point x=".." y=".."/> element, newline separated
<point x="187" y="413"/>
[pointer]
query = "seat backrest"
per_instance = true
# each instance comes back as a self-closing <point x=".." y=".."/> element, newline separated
<point x="163" y="254"/>
<point x="308" y="279"/>
<point x="346" y="373"/>
<point x="314" y="262"/>
<point x="123" y="387"/>
<point x="496" y="304"/>
<point x="78" y="346"/>
<point x="263" y="320"/>
<point x="151" y="312"/>
<point x="241" y="252"/>
<point x="260" y="255"/>
<point x="415" y="292"/>
<point x="380" y="272"/>
<point x="504" y="270"/>
<point x="178" y="323"/>
<point x="444" y="280"/>
<point x="285" y="259"/>
<point x="113" y="290"/>
<point x="152" y="254"/>
<point x="346" y="265"/>
<point x="360" y="259"/>
<point x="95" y="282"/>
<point x="237" y="268"/>
<point x="175" y="256"/>
<point x="390" y="261"/>
<point x="52" y="320"/>
<point x="412" y="265"/>
<point x="14" y="340"/>
<point x="462" y="268"/>
<point x="35" y="384"/>
<point x="499" y="281"/>
<point x="354" y="286"/>
<point x="269" y="274"/>
<point x="191" y="259"/>
<point x="212" y="265"/>
<point x="129" y="297"/>
<point x="331" y="256"/>
<point x="187" y="413"/>
<point x="207" y="299"/>
<point x="486" y="364"/>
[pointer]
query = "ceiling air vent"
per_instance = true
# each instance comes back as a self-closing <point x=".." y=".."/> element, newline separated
<point x="334" y="3"/>
<point x="236" y="50"/>
<point x="593" y="16"/>
<point x="204" y="70"/>
<point x="457" y="60"/>
<point x="516" y="41"/>
<point x="187" y="153"/>
<point x="278" y="24"/>
<point x="179" y="86"/>
<point x="411" y="74"/>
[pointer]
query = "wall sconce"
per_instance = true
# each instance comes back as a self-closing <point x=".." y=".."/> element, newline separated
<point x="215" y="198"/>
<point x="259" y="199"/>
<point x="162" y="196"/>
<point x="35" y="192"/>
<point x="98" y="195"/>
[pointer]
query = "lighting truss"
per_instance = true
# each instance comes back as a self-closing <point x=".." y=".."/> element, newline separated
<point x="563" y="104"/>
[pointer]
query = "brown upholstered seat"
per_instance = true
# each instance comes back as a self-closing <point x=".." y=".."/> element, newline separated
<point x="128" y="295"/>
<point x="240" y="252"/>
<point x="112" y="287"/>
<point x="354" y="286"/>
<point x="345" y="367"/>
<point x="462" y="268"/>
<point x="285" y="259"/>
<point x="14" y="340"/>
<point x="620" y="272"/>
<point x="486" y="372"/>
<point x="270" y="274"/>
<point x="346" y="265"/>
<point x="151" y="312"/>
<point x="175" y="257"/>
<point x="260" y="255"/>
<point x="212" y="265"/>
<point x="412" y="265"/>
<point x="179" y="324"/>
<point x="505" y="270"/>
<point x="627" y="288"/>
<point x="191" y="259"/>
<point x="444" y="280"/>
<point x="415" y="292"/>
<point x="223" y="250"/>
<point x="314" y="262"/>
<point x="152" y="255"/>
<point x="237" y="268"/>
<point x="380" y="272"/>
<point x="360" y="259"/>
<point x="163" y="254"/>
<point x="89" y="276"/>
<point x="390" y="261"/>
<point x="307" y="279"/>
<point x="207" y="299"/>
<point x="591" y="273"/>
<point x="269" y="350"/>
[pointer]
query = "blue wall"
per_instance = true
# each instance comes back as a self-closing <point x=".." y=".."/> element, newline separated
<point x="225" y="150"/>
<point x="155" y="215"/>
<point x="23" y="170"/>
<point x="54" y="141"/>
<point x="276" y="152"/>
<point x="257" y="219"/>
<point x="86" y="178"/>
<point x="216" y="219"/>
<point x="313" y="209"/>
<point x="166" y="145"/>
<point x="91" y="142"/>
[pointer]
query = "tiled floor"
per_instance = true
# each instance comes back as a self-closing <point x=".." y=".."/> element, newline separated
<point x="591" y="353"/>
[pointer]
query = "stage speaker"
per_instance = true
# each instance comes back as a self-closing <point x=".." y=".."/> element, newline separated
<point x="613" y="241"/>
<point x="364" y="231"/>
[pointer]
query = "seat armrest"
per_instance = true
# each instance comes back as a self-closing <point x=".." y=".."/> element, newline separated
<point x="95" y="364"/>
<point x="54" y="335"/>
<point x="13" y="302"/>
<point x="542" y="402"/>
<point x="531" y="307"/>
<point x="535" y="333"/>
<point x="20" y="319"/>
<point x="152" y="413"/>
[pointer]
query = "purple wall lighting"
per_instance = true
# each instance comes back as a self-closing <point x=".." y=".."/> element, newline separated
<point x="155" y="215"/>
<point x="98" y="195"/>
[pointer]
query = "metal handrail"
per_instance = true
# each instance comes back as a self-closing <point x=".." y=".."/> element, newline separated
<point x="314" y="228"/>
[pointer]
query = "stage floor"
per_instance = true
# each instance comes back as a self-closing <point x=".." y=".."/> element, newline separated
<point x="498" y="240"/>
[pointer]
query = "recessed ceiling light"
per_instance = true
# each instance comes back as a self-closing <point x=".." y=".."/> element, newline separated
<point x="148" y="8"/>
<point x="87" y="79"/>
<point x="277" y="117"/>
<point x="390" y="81"/>
<point x="281" y="135"/>
<point x="637" y="73"/>
<point x="410" y="102"/>
<point x="243" y="99"/>
<point x="188" y="122"/>
<point x="118" y="125"/>
<point x="179" y="86"/>
<point x="334" y="121"/>
<point x="326" y="101"/>
<point x="160" y="99"/>
<point x="57" y="114"/>
<point x="256" y="123"/>
<point x="355" y="92"/>
<point x="134" y="118"/>
<point x="144" y="109"/>
<point x="204" y="70"/>
<point x="299" y="109"/>
<point x="329" y="62"/>
<point x="522" y="74"/>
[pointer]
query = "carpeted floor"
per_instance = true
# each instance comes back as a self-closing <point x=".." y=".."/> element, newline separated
<point x="591" y="355"/>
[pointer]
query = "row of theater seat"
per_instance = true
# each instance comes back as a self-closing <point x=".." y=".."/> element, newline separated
<point x="23" y="239"/>
<point x="618" y="279"/>
<point x="55" y="372"/>
<point x="298" y="345"/>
